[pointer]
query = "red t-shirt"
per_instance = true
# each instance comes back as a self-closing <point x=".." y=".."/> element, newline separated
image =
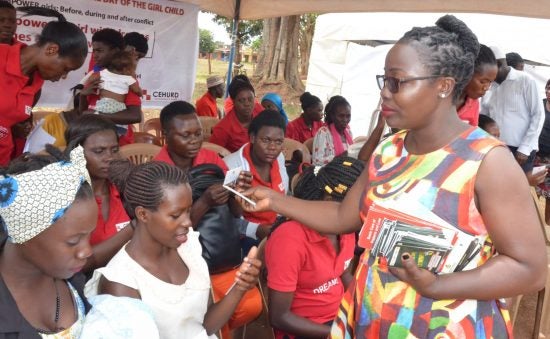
<point x="276" y="184"/>
<point x="298" y="130"/>
<point x="116" y="221"/>
<point x="206" y="106"/>
<point x="303" y="261"/>
<point x="470" y="111"/>
<point x="132" y="99"/>
<point x="16" y="97"/>
<point x="229" y="133"/>
<point x="205" y="156"/>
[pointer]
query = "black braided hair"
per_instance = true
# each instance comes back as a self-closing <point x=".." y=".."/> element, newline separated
<point x="448" y="49"/>
<point x="308" y="100"/>
<point x="28" y="162"/>
<point x="330" y="109"/>
<point x="334" y="179"/>
<point x="68" y="36"/>
<point x="143" y="185"/>
<point x="484" y="57"/>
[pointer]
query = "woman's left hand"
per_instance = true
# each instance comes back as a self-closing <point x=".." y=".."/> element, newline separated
<point x="421" y="279"/>
<point x="247" y="275"/>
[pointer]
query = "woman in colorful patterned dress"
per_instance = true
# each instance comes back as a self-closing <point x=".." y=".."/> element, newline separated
<point x="453" y="169"/>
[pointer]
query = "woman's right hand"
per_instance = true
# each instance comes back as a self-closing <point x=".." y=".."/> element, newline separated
<point x="262" y="196"/>
<point x="247" y="275"/>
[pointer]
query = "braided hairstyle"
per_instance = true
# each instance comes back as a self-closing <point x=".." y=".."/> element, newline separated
<point x="68" y="36"/>
<point x="239" y="83"/>
<point x="447" y="49"/>
<point x="143" y="185"/>
<point x="484" y="57"/>
<point x="28" y="162"/>
<point x="330" y="109"/>
<point x="334" y="179"/>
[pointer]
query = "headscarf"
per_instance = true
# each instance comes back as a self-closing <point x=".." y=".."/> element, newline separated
<point x="31" y="202"/>
<point x="276" y="99"/>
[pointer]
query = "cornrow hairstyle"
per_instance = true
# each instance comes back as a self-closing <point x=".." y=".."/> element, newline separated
<point x="172" y="110"/>
<point x="334" y="102"/>
<point x="308" y="100"/>
<point x="269" y="118"/>
<point x="447" y="49"/>
<point x="6" y="4"/>
<point x="109" y="37"/>
<point x="121" y="60"/>
<point x="484" y="121"/>
<point x="334" y="179"/>
<point x="136" y="40"/>
<point x="68" y="36"/>
<point x="28" y="162"/>
<point x="238" y="85"/>
<point x="86" y="125"/>
<point x="485" y="57"/>
<point x="143" y="185"/>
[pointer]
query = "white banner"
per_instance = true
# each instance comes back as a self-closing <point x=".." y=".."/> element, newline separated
<point x="167" y="73"/>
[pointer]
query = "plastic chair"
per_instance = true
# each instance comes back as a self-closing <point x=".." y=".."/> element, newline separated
<point x="291" y="145"/>
<point x="222" y="152"/>
<point x="153" y="125"/>
<point x="309" y="144"/>
<point x="139" y="153"/>
<point x="207" y="124"/>
<point x="146" y="138"/>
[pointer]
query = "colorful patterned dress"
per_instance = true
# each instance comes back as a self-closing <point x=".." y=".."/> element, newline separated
<point x="381" y="306"/>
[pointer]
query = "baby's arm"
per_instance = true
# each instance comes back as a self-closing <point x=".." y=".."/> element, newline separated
<point x="136" y="89"/>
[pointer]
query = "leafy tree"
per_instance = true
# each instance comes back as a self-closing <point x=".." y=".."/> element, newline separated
<point x="206" y="41"/>
<point x="247" y="31"/>
<point x="256" y="44"/>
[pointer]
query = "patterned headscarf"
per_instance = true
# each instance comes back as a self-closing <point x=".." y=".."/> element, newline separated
<point x="31" y="202"/>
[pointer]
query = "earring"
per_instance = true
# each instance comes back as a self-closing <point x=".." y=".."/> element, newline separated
<point x="442" y="95"/>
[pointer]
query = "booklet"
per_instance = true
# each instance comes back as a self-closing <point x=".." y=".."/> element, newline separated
<point x="394" y="227"/>
<point x="230" y="182"/>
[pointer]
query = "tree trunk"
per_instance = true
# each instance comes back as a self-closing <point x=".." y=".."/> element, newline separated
<point x="306" y="40"/>
<point x="278" y="55"/>
<point x="209" y="63"/>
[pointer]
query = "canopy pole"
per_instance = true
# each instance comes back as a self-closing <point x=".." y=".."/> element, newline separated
<point x="235" y="28"/>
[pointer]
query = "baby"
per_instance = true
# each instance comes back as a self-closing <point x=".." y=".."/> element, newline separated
<point x="116" y="81"/>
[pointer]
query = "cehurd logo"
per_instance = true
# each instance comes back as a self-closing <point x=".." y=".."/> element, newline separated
<point x="161" y="95"/>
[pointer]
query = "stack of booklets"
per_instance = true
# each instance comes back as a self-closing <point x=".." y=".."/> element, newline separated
<point x="394" y="227"/>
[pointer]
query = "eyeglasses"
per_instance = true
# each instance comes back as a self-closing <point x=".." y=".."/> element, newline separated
<point x="393" y="83"/>
<point x="269" y="141"/>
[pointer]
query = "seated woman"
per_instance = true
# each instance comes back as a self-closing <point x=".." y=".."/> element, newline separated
<point x="334" y="138"/>
<point x="183" y="133"/>
<point x="231" y="131"/>
<point x="308" y="271"/>
<point x="485" y="72"/>
<point x="264" y="159"/>
<point x="162" y="264"/>
<point x="47" y="245"/>
<point x="273" y="101"/>
<point x="99" y="139"/>
<point x="308" y="123"/>
<point x="228" y="104"/>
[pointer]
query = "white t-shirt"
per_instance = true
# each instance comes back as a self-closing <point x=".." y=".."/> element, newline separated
<point x="116" y="83"/>
<point x="178" y="309"/>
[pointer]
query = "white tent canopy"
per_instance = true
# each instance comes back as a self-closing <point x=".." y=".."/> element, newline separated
<point x="257" y="9"/>
<point x="340" y="65"/>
